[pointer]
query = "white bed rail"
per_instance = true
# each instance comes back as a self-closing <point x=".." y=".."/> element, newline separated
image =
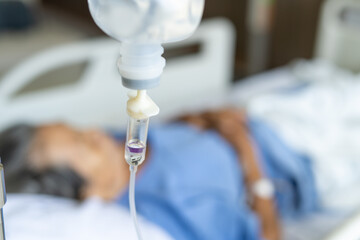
<point x="98" y="98"/>
<point x="338" y="38"/>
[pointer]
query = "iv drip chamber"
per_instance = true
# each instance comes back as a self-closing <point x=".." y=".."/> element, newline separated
<point x="140" y="108"/>
<point x="136" y="141"/>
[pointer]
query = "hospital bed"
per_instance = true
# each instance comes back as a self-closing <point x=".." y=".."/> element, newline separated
<point x="200" y="68"/>
<point x="94" y="96"/>
<point x="337" y="44"/>
<point x="79" y="84"/>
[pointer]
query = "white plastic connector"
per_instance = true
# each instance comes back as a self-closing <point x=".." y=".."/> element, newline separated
<point x="141" y="106"/>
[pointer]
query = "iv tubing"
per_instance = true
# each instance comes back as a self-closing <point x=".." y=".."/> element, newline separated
<point x="133" y="170"/>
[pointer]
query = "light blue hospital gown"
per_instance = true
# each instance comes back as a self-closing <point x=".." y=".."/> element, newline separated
<point x="192" y="186"/>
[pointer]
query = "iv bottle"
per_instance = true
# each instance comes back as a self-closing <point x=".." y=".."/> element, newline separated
<point x="142" y="26"/>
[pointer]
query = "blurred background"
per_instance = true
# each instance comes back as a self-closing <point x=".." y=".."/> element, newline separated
<point x="293" y="64"/>
<point x="269" y="33"/>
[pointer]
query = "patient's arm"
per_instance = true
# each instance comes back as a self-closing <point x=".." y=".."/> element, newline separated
<point x="232" y="125"/>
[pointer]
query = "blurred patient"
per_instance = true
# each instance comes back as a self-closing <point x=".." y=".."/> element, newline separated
<point x="196" y="182"/>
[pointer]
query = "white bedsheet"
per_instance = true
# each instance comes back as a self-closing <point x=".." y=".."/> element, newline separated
<point x="36" y="217"/>
<point x="323" y="121"/>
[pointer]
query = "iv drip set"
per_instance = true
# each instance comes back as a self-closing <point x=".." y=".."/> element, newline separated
<point x="142" y="26"/>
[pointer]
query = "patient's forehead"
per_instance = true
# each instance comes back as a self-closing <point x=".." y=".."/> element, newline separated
<point x="52" y="135"/>
<point x="55" y="130"/>
<point x="55" y="127"/>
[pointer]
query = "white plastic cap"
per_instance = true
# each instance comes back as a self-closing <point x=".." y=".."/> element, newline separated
<point x="141" y="65"/>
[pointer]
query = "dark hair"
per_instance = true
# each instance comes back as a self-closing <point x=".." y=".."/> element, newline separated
<point x="20" y="178"/>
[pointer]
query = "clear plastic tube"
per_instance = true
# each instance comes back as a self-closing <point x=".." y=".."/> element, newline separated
<point x="134" y="155"/>
<point x="133" y="170"/>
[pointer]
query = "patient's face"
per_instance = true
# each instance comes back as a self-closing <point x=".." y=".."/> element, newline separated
<point x="96" y="157"/>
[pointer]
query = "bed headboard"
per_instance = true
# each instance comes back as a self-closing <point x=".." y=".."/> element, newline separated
<point x="339" y="34"/>
<point x="97" y="97"/>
